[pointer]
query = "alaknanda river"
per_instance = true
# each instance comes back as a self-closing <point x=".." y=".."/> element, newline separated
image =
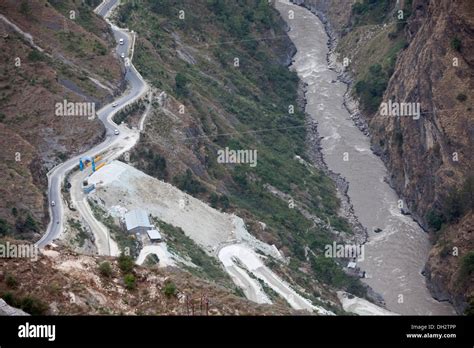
<point x="395" y="257"/>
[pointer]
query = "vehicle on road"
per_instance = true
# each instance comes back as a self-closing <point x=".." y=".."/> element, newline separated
<point x="116" y="132"/>
<point x="114" y="104"/>
<point x="121" y="41"/>
<point x="122" y="55"/>
<point x="53" y="203"/>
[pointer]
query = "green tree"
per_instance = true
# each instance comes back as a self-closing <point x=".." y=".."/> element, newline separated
<point x="470" y="309"/>
<point x="35" y="56"/>
<point x="27" y="225"/>
<point x="130" y="281"/>
<point x="186" y="182"/>
<point x="224" y="202"/>
<point x="105" y="269"/>
<point x="170" y="289"/>
<point x="30" y="224"/>
<point x="435" y="220"/>
<point x="125" y="263"/>
<point x="25" y="8"/>
<point x="214" y="200"/>
<point x="467" y="265"/>
<point x="11" y="281"/>
<point x="5" y="227"/>
<point x="29" y="304"/>
<point x="456" y="44"/>
<point x="33" y="306"/>
<point x="157" y="166"/>
<point x="181" y="85"/>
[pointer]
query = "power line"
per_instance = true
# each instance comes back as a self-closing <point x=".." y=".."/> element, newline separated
<point x="306" y="124"/>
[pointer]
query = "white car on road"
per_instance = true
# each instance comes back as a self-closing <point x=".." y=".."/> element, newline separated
<point x="121" y="41"/>
<point x="53" y="203"/>
<point x="116" y="132"/>
<point x="114" y="104"/>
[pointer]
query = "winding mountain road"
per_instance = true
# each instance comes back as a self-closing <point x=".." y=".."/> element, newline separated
<point x="233" y="256"/>
<point x="137" y="87"/>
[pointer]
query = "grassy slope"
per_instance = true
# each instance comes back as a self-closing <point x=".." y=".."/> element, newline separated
<point x="374" y="39"/>
<point x="220" y="99"/>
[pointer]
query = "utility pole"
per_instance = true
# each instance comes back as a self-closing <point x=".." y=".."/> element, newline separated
<point x="206" y="301"/>
<point x="186" y="300"/>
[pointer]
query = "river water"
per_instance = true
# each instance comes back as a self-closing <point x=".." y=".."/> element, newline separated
<point x="393" y="258"/>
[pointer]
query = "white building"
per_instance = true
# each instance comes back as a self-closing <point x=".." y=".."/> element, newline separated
<point x="137" y="221"/>
<point x="154" y="235"/>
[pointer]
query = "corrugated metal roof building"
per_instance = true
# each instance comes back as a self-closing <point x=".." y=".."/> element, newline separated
<point x="154" y="235"/>
<point x="137" y="221"/>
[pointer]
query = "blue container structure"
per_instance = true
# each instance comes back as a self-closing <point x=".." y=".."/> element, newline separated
<point x="85" y="160"/>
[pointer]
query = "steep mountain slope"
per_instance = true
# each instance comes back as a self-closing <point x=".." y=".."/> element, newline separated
<point x="47" y="58"/>
<point x="431" y="156"/>
<point x="422" y="54"/>
<point x="431" y="159"/>
<point x="61" y="282"/>
<point x="222" y="68"/>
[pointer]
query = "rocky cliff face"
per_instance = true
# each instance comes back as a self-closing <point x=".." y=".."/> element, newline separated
<point x="429" y="157"/>
<point x="448" y="275"/>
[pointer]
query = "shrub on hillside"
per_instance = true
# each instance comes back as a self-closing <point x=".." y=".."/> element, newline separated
<point x="456" y="44"/>
<point x="35" y="56"/>
<point x="187" y="183"/>
<point x="181" y="85"/>
<point x="130" y="281"/>
<point x="435" y="220"/>
<point x="170" y="289"/>
<point x="125" y="263"/>
<point x="105" y="269"/>
<point x="370" y="11"/>
<point x="29" y="304"/>
<point x="467" y="265"/>
<point x="11" y="281"/>
<point x="461" y="97"/>
<point x="5" y="227"/>
<point x="457" y="203"/>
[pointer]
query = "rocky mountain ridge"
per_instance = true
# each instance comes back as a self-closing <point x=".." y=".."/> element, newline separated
<point x="429" y="159"/>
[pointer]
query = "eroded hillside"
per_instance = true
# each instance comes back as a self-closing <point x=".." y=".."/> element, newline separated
<point x="61" y="282"/>
<point x="47" y="58"/>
